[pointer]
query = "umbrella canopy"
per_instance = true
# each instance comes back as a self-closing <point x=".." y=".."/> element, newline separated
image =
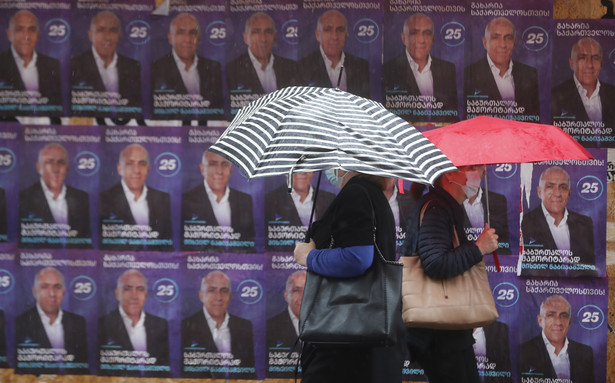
<point x="300" y="129"/>
<point x="488" y="140"/>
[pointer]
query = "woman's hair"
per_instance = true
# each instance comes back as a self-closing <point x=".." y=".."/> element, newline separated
<point x="378" y="180"/>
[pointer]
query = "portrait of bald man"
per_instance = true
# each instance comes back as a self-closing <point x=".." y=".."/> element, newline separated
<point x="48" y="326"/>
<point x="50" y="201"/>
<point x="182" y="71"/>
<point x="259" y="70"/>
<point x="132" y="202"/>
<point x="22" y="68"/>
<point x="322" y="67"/>
<point x="497" y="76"/>
<point x="101" y="68"/>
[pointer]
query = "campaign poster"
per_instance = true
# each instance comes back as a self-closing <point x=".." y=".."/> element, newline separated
<point x="109" y="66"/>
<point x="138" y="326"/>
<point x="8" y="254"/>
<point x="220" y="206"/>
<point x="288" y="214"/>
<point x="564" y="218"/>
<point x="262" y="49"/>
<point x="56" y="286"/>
<point x="350" y="35"/>
<point x="9" y="176"/>
<point x="508" y="60"/>
<point x="285" y="283"/>
<point x="422" y="75"/>
<point x="187" y="54"/>
<point x="58" y="185"/>
<point x="223" y="311"/>
<point x="497" y="344"/>
<point x="140" y="188"/>
<point x="567" y="316"/>
<point x="584" y="56"/>
<point x="37" y="43"/>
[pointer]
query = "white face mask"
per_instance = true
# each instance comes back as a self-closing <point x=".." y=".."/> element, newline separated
<point x="472" y="185"/>
<point x="334" y="179"/>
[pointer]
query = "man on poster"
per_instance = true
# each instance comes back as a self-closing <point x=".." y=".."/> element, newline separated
<point x="129" y="328"/>
<point x="553" y="228"/>
<point x="552" y="355"/>
<point x="584" y="97"/>
<point x="213" y="329"/>
<point x="3" y="225"/>
<point x="24" y="69"/>
<point x="421" y="76"/>
<point x="183" y="72"/>
<point x="259" y="70"/>
<point x="132" y="202"/>
<point x="50" y="201"/>
<point x="322" y="67"/>
<point x="47" y="326"/>
<point x="102" y="69"/>
<point x="283" y="328"/>
<point x="498" y="77"/>
<point x="216" y="204"/>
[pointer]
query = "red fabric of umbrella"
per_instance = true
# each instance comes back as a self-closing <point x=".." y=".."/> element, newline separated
<point x="488" y="140"/>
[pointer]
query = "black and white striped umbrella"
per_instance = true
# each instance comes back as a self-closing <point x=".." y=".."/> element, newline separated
<point x="300" y="129"/>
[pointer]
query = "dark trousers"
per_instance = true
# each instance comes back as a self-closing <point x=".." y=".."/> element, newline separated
<point x="447" y="367"/>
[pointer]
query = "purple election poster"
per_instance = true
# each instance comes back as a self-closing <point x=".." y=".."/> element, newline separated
<point x="584" y="81"/>
<point x="285" y="283"/>
<point x="262" y="49"/>
<point x="8" y="254"/>
<point x="507" y="58"/>
<point x="569" y="318"/>
<point x="109" y="66"/>
<point x="34" y="58"/>
<point x="288" y="214"/>
<point x="223" y="316"/>
<point x="187" y="55"/>
<point x="138" y="326"/>
<point x="56" y="287"/>
<point x="58" y="186"/>
<point x="564" y="217"/>
<point x="9" y="176"/>
<point x="219" y="205"/>
<point x="140" y="188"/>
<point x="422" y="75"/>
<point x="346" y="36"/>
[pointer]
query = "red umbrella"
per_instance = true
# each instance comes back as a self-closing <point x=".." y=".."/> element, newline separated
<point x="488" y="140"/>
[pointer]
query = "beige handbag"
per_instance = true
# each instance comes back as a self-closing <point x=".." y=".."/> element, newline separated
<point x="462" y="302"/>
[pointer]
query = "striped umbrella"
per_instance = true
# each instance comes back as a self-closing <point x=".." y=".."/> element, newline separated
<point x="301" y="129"/>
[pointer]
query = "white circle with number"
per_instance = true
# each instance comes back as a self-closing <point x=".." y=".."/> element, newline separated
<point x="590" y="317"/>
<point x="167" y="164"/>
<point x="7" y="160"/>
<point x="250" y="291"/>
<point x="366" y="31"/>
<point x="590" y="188"/>
<point x="7" y="281"/>
<point x="165" y="290"/>
<point x="535" y="38"/>
<point x="504" y="171"/>
<point x="216" y="33"/>
<point x="86" y="163"/>
<point x="57" y="30"/>
<point x="505" y="294"/>
<point x="82" y="288"/>
<point x="138" y="32"/>
<point x="453" y="34"/>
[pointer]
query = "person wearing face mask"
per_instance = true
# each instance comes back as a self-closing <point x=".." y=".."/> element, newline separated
<point x="342" y="246"/>
<point x="444" y="250"/>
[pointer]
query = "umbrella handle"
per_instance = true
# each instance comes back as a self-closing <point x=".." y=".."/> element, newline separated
<point x="496" y="260"/>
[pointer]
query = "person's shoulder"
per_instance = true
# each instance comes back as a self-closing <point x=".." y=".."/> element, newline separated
<point x="478" y="63"/>
<point x="82" y="57"/>
<point x="196" y="192"/>
<point x="579" y="347"/>
<point x="281" y="60"/>
<point x="163" y="62"/>
<point x="441" y="62"/>
<point x="208" y="63"/>
<point x="125" y="60"/>
<point x="154" y="320"/>
<point x="76" y="192"/>
<point x="156" y="192"/>
<point x="239" y="60"/>
<point x="239" y="194"/>
<point x="582" y="218"/>
<point x="74" y="317"/>
<point x="113" y="190"/>
<point x="564" y="86"/>
<point x="607" y="88"/>
<point x="277" y="318"/>
<point x="518" y="66"/>
<point x="27" y="315"/>
<point x="46" y="60"/>
<point x="195" y="318"/>
<point x="352" y="59"/>
<point x="311" y="57"/>
<point x="28" y="191"/>
<point x="239" y="321"/>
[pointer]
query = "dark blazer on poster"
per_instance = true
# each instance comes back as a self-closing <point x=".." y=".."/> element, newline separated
<point x="113" y="203"/>
<point x="478" y="78"/>
<point x="3" y="225"/>
<point x="29" y="329"/>
<point x="195" y="332"/>
<point x="566" y="103"/>
<point x="397" y="75"/>
<point x="3" y="363"/>
<point x="535" y="230"/>
<point x="48" y="76"/>
<point x="498" y="350"/>
<point x="32" y="203"/>
<point x="112" y="332"/>
<point x="84" y="72"/>
<point x="314" y="72"/>
<point x="281" y="333"/>
<point x="240" y="74"/>
<point x="279" y="206"/>
<point x="498" y="215"/>
<point x="195" y="204"/>
<point x="534" y="358"/>
<point x="165" y="75"/>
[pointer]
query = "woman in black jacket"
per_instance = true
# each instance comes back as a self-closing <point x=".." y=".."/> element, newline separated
<point x="446" y="355"/>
